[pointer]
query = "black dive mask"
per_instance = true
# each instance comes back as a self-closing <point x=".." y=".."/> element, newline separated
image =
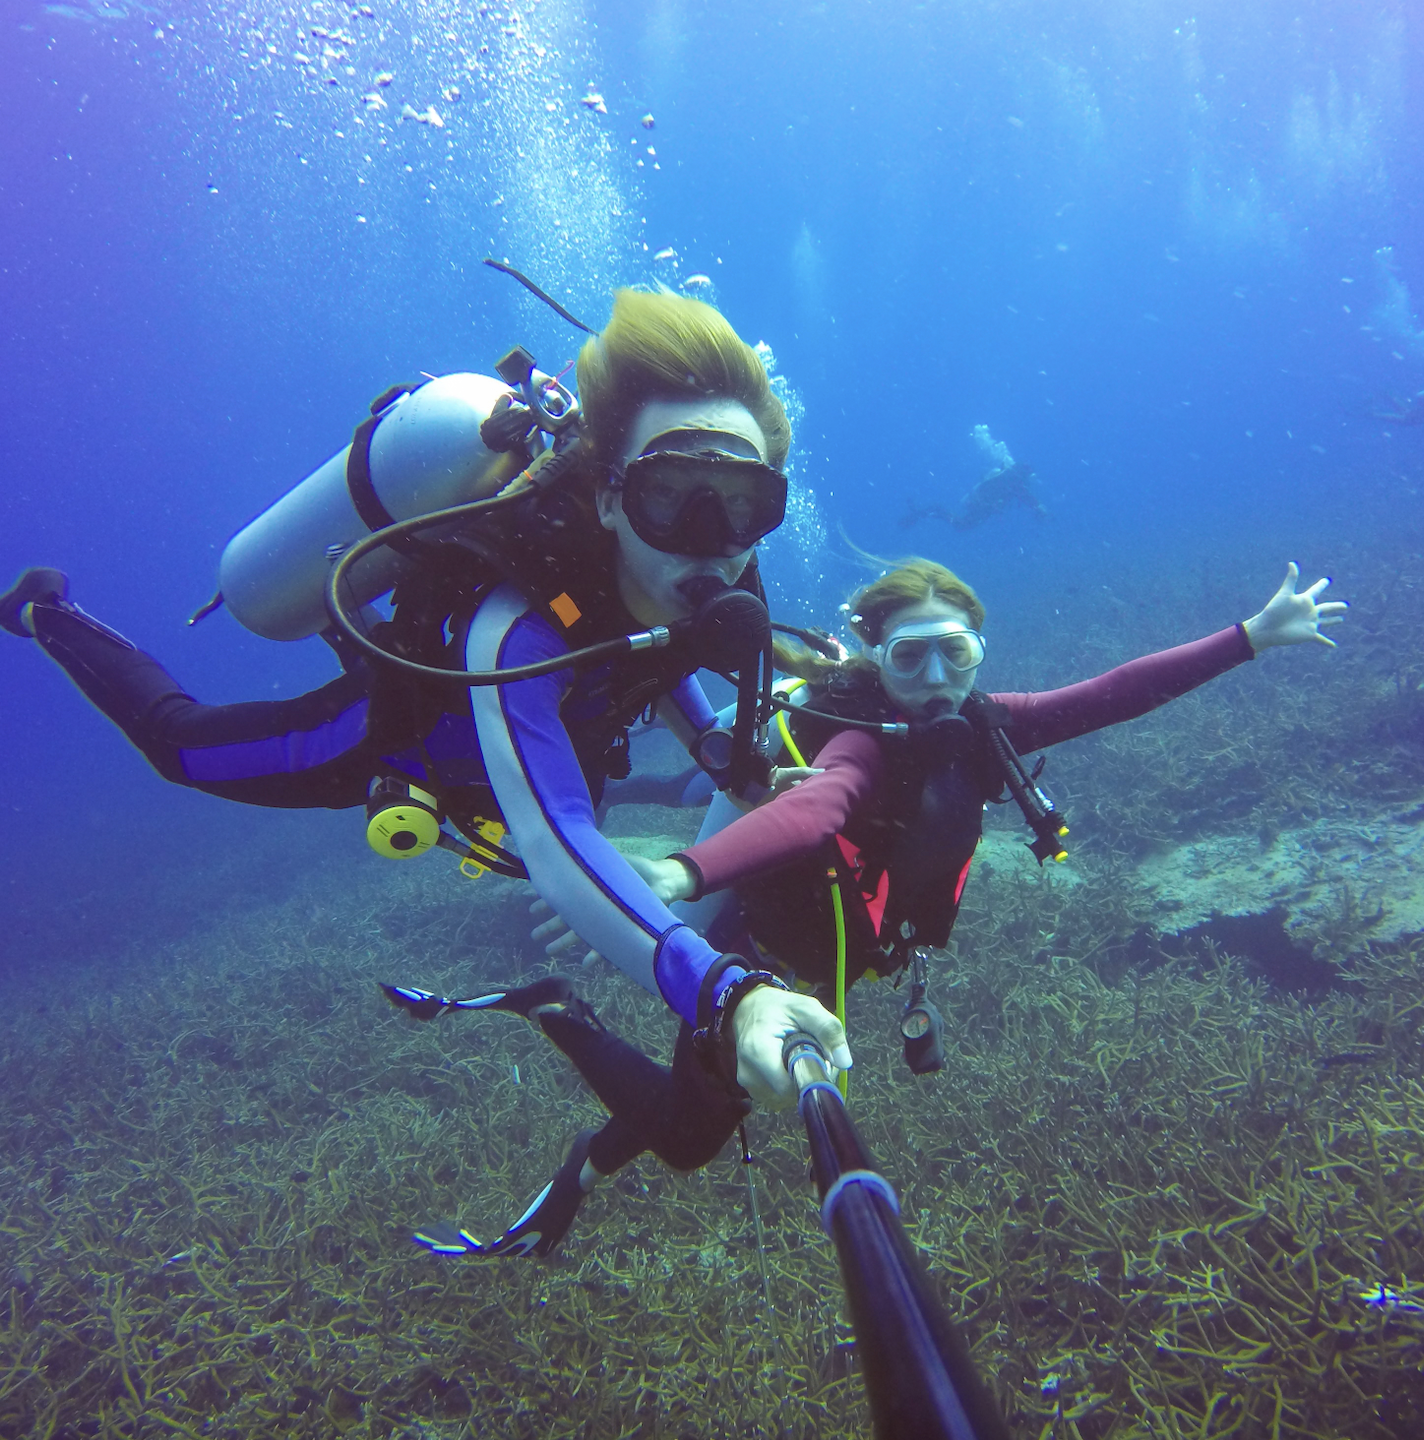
<point x="704" y="503"/>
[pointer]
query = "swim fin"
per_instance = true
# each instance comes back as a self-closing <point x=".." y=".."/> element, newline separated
<point x="518" y="1000"/>
<point x="40" y="582"/>
<point x="538" y="1230"/>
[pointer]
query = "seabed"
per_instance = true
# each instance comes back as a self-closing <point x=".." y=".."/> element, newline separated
<point x="1170" y="1180"/>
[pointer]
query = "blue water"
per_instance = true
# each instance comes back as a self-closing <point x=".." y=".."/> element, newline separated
<point x="1165" y="252"/>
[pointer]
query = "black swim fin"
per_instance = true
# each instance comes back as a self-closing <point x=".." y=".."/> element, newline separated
<point x="538" y="1230"/>
<point x="41" y="582"/>
<point x="518" y="1000"/>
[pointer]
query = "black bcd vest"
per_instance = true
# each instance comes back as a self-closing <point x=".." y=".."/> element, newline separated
<point x="899" y="864"/>
<point x="551" y="547"/>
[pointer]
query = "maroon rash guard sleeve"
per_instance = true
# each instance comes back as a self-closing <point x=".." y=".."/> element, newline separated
<point x="1053" y="716"/>
<point x="795" y="823"/>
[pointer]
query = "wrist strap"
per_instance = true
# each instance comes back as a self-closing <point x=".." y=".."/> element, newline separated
<point x="708" y="988"/>
<point x="717" y="1033"/>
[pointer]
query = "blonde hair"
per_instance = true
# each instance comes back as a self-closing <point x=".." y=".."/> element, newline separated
<point x="669" y="347"/>
<point x="911" y="582"/>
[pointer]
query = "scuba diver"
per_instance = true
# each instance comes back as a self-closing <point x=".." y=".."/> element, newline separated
<point x="1009" y="488"/>
<point x="909" y="753"/>
<point x="629" y="540"/>
<point x="1406" y="411"/>
<point x="861" y="867"/>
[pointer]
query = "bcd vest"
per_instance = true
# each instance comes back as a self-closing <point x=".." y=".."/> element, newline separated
<point x="563" y="562"/>
<point x="900" y="865"/>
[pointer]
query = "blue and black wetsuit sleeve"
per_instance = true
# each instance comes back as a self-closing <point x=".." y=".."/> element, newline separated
<point x="309" y="752"/>
<point x="532" y="764"/>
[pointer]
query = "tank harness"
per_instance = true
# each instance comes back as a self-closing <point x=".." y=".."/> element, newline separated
<point x="537" y="546"/>
<point x="536" y="535"/>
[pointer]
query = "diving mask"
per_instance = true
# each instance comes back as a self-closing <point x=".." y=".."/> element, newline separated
<point x="906" y="654"/>
<point x="704" y="502"/>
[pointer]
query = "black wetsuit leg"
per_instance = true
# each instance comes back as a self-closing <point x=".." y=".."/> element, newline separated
<point x="308" y="752"/>
<point x="684" y="1115"/>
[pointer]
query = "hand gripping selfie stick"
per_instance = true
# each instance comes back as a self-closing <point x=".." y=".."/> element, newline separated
<point x="921" y="1381"/>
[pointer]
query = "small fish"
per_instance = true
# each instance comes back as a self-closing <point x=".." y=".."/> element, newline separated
<point x="515" y="1071"/>
<point x="375" y="101"/>
<point x="383" y="79"/>
<point x="594" y="101"/>
<point x="647" y="122"/>
<point x="668" y="254"/>
<point x="1346" y="1057"/>
<point x="1382" y="1297"/>
<point x="697" y="282"/>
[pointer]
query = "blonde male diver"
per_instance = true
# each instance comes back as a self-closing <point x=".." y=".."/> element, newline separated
<point x="679" y="477"/>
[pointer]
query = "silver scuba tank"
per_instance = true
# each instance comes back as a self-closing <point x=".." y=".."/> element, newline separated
<point x="426" y="454"/>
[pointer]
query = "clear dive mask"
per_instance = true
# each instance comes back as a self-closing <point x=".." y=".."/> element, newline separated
<point x="906" y="653"/>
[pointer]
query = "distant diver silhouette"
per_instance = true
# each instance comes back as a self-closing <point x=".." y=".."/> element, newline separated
<point x="1011" y="488"/>
<point x="1409" y="411"/>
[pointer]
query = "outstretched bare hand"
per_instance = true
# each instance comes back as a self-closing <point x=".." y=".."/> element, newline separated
<point x="1292" y="617"/>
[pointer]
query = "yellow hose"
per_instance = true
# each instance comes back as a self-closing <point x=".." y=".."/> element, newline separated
<point x="837" y="907"/>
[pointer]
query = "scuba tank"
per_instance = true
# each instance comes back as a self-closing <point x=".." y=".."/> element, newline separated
<point x="424" y="454"/>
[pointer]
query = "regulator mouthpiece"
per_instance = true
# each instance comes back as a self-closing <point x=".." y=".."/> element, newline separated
<point x="729" y="628"/>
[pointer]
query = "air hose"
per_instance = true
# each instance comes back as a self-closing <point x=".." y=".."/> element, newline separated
<point x="837" y="903"/>
<point x="654" y="638"/>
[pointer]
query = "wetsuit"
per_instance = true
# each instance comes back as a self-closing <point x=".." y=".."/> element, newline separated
<point x="541" y="749"/>
<point x="775" y="857"/>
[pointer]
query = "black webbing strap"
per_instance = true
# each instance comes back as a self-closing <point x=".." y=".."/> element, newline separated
<point x="369" y="506"/>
